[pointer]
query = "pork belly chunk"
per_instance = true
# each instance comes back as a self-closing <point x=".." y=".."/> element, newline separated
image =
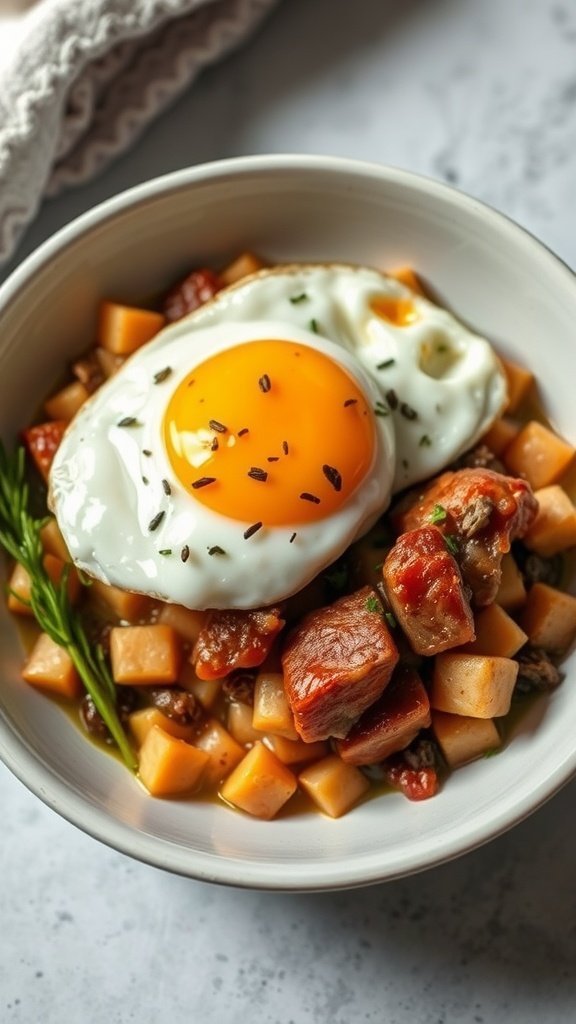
<point x="235" y="639"/>
<point x="337" y="662"/>
<point x="482" y="512"/>
<point x="426" y="592"/>
<point x="391" y="723"/>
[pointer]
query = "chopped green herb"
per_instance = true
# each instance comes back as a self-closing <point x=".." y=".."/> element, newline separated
<point x="373" y="604"/>
<point x="314" y="326"/>
<point x="128" y="421"/>
<point x="377" y="566"/>
<point x="162" y="374"/>
<point x="438" y="514"/>
<point x="386" y="364"/>
<point x="146" y="452"/>
<point x="451" y="543"/>
<point x="295" y="299"/>
<point x="381" y="410"/>
<point x="390" y="620"/>
<point x="425" y="441"/>
<point x="165" y="551"/>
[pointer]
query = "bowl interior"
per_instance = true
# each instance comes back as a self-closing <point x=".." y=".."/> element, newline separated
<point x="491" y="274"/>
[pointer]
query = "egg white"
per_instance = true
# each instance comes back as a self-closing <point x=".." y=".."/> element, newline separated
<point x="106" y="493"/>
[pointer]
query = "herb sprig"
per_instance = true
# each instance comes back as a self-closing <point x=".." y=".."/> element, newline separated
<point x="20" y="537"/>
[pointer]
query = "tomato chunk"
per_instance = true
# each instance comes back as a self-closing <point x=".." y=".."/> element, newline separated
<point x="42" y="442"/>
<point x="415" y="783"/>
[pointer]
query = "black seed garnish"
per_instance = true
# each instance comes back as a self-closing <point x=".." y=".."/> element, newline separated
<point x="214" y="445"/>
<point x="350" y="401"/>
<point x="386" y="364"/>
<point x="160" y="376"/>
<point x="425" y="441"/>
<point x="155" y="522"/>
<point x="252" y="530"/>
<point x="314" y="326"/>
<point x="203" y="482"/>
<point x="185" y="553"/>
<point x="295" y="299"/>
<point x="243" y="431"/>
<point x="216" y="550"/>
<point x="333" y="477"/>
<point x="306" y="496"/>
<point x="166" y="487"/>
<point x="128" y="421"/>
<point x="273" y="458"/>
<point x="165" y="551"/>
<point x="264" y="383"/>
<point x="408" y="412"/>
<point x="145" y="480"/>
<point x="258" y="474"/>
<point x="216" y="425"/>
<point x="292" y="538"/>
<point x="285" y="447"/>
<point x="381" y="410"/>
<point x="146" y="452"/>
<point x="392" y="398"/>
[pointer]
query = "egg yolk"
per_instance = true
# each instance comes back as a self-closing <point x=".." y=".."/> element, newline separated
<point x="270" y="433"/>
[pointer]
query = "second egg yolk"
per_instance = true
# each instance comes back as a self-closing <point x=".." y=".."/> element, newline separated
<point x="270" y="432"/>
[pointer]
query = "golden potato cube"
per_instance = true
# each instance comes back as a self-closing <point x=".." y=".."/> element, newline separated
<point x="297" y="751"/>
<point x="333" y="786"/>
<point x="538" y="455"/>
<point x="224" y="752"/>
<point x="207" y="691"/>
<point x="519" y="381"/>
<point x="549" y="618"/>
<point x="50" y="667"/>
<point x="65" y="403"/>
<point x="272" y="712"/>
<point x="123" y="329"/>
<point x="245" y="264"/>
<point x="20" y="584"/>
<point x="52" y="540"/>
<point x="240" y="724"/>
<point x="477" y="685"/>
<point x="143" y="655"/>
<point x="122" y="603"/>
<point x="260" y="784"/>
<point x="169" y="766"/>
<point x="463" y="739"/>
<point x="501" y="433"/>
<point x="496" y="633"/>
<point x="554" y="528"/>
<point x="512" y="590"/>
<point x="144" y="719"/>
<point x="186" y="622"/>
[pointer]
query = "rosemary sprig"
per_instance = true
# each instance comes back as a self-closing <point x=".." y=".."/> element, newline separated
<point x="20" y="537"/>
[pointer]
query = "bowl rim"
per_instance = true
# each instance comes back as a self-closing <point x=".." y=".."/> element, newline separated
<point x="58" y="794"/>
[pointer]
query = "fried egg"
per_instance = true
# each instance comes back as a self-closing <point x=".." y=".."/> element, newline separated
<point x="241" y="451"/>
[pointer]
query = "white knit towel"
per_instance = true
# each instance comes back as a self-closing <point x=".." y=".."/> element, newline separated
<point x="80" y="79"/>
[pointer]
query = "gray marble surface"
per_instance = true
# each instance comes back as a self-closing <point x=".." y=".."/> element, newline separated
<point x="482" y="95"/>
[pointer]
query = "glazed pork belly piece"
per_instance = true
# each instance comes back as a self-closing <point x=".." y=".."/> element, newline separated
<point x="426" y="592"/>
<point x="235" y="639"/>
<point x="337" y="662"/>
<point x="480" y="512"/>
<point x="391" y="723"/>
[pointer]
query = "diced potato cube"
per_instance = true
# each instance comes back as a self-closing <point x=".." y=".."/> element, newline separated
<point x="554" y="528"/>
<point x="549" y="618"/>
<point x="50" y="667"/>
<point x="186" y="622"/>
<point x="496" y="633"/>
<point x="271" y="709"/>
<point x="500" y="435"/>
<point x="538" y="455"/>
<point x="52" y="540"/>
<point x="477" y="685"/>
<point x="20" y="584"/>
<point x="512" y="590"/>
<point x="260" y="784"/>
<point x="123" y="329"/>
<point x="223" y="750"/>
<point x="143" y="655"/>
<point x="122" y="603"/>
<point x="333" y="786"/>
<point x="463" y="739"/>
<point x="245" y="264"/>
<point x="169" y="766"/>
<point x="207" y="691"/>
<point x="65" y="403"/>
<point x="144" y="719"/>
<point x="519" y="380"/>
<point x="297" y="751"/>
<point x="240" y="724"/>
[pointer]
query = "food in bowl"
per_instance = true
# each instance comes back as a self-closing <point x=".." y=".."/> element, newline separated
<point x="285" y="412"/>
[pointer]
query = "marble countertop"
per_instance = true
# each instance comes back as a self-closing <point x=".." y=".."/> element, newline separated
<point x="482" y="95"/>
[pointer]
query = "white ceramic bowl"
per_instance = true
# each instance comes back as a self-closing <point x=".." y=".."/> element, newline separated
<point x="495" y="276"/>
